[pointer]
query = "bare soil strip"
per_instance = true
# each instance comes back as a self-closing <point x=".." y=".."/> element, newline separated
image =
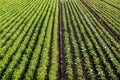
<point x="101" y="21"/>
<point x="111" y="4"/>
<point x="60" y="33"/>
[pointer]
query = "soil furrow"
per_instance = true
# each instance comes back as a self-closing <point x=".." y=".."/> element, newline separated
<point x="61" y="46"/>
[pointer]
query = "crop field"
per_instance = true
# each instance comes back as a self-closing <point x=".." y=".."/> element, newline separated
<point x="59" y="39"/>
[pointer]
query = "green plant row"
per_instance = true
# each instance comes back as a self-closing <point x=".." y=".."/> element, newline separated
<point x="117" y="51"/>
<point x="108" y="14"/>
<point x="4" y="42"/>
<point x="14" y="8"/>
<point x="10" y="54"/>
<point x="99" y="48"/>
<point x="114" y="2"/>
<point x="13" y="19"/>
<point x="67" y="49"/>
<point x="19" y="71"/>
<point x="73" y="42"/>
<point x="110" y="41"/>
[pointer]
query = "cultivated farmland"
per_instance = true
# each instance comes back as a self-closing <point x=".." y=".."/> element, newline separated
<point x="59" y="39"/>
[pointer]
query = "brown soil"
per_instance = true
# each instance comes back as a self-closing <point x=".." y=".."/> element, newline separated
<point x="61" y="61"/>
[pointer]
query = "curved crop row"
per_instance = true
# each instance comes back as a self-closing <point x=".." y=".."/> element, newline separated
<point x="108" y="14"/>
<point x="99" y="50"/>
<point x="26" y="37"/>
